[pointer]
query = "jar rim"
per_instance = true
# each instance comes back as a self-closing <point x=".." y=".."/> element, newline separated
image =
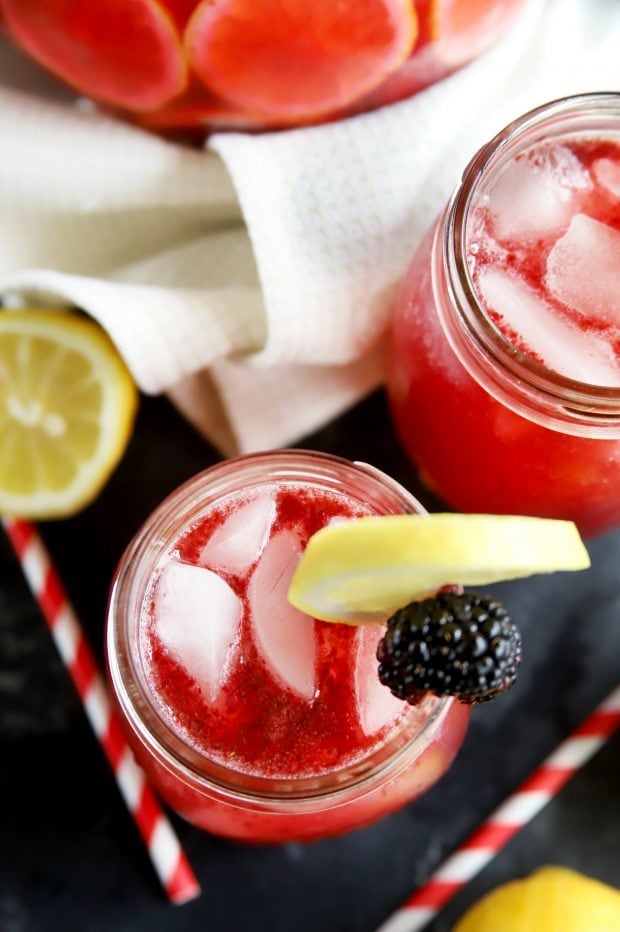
<point x="129" y="680"/>
<point x="559" y="400"/>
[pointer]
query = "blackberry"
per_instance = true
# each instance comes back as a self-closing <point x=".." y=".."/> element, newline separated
<point x="456" y="644"/>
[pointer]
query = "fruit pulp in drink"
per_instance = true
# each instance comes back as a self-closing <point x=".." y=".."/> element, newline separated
<point x="543" y="254"/>
<point x="263" y="692"/>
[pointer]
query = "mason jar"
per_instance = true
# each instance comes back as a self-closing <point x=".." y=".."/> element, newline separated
<point x="225" y="798"/>
<point x="490" y="424"/>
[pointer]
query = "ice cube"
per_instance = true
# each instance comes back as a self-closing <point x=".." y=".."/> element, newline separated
<point x="239" y="541"/>
<point x="562" y="346"/>
<point x="284" y="635"/>
<point x="537" y="194"/>
<point x="338" y="519"/>
<point x="583" y="269"/>
<point x="376" y="706"/>
<point x="197" y="617"/>
<point x="607" y="174"/>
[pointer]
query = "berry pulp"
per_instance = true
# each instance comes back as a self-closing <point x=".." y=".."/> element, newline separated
<point x="292" y="701"/>
<point x="542" y="252"/>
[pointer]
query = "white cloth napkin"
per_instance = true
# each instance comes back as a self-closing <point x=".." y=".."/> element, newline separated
<point x="253" y="281"/>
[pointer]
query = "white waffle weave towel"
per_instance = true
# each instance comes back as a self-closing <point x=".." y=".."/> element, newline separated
<point x="253" y="281"/>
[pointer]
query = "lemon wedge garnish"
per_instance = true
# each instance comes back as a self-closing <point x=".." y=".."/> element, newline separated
<point x="362" y="570"/>
<point x="552" y="899"/>
<point x="67" y="406"/>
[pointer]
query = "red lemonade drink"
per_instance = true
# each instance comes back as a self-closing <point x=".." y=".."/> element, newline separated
<point x="505" y="371"/>
<point x="252" y="719"/>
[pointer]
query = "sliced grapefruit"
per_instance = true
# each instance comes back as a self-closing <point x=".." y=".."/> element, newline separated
<point x="126" y="54"/>
<point x="420" y="70"/>
<point x="452" y="33"/>
<point x="298" y="59"/>
<point x="180" y="10"/>
<point x="198" y="108"/>
<point x="462" y="29"/>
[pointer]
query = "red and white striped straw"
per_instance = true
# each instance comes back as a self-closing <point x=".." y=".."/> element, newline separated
<point x="162" y="844"/>
<point x="509" y="818"/>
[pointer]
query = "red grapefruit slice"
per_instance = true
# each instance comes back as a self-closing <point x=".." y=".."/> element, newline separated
<point x="197" y="108"/>
<point x="298" y="59"/>
<point x="180" y="10"/>
<point x="124" y="53"/>
<point x="452" y="32"/>
<point x="463" y="29"/>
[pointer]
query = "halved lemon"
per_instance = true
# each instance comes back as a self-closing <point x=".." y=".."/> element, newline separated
<point x="552" y="899"/>
<point x="67" y="406"/>
<point x="362" y="570"/>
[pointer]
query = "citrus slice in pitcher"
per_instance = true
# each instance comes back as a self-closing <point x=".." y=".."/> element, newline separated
<point x="126" y="54"/>
<point x="462" y="29"/>
<point x="364" y="569"/>
<point x="302" y="59"/>
<point x="67" y="405"/>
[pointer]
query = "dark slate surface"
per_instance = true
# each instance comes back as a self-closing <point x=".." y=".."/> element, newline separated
<point x="70" y="856"/>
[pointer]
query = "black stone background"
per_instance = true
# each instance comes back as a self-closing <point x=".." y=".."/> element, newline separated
<point x="70" y="856"/>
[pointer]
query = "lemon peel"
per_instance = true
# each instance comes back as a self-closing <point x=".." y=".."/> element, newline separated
<point x="362" y="570"/>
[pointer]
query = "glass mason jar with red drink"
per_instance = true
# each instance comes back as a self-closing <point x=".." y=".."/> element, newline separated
<point x="504" y="378"/>
<point x="188" y="64"/>
<point x="252" y="719"/>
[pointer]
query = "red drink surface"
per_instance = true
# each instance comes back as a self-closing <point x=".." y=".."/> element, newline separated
<point x="482" y="454"/>
<point x="257" y="724"/>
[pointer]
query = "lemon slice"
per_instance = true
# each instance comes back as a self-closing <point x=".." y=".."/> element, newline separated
<point x="552" y="899"/>
<point x="362" y="570"/>
<point x="67" y="405"/>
